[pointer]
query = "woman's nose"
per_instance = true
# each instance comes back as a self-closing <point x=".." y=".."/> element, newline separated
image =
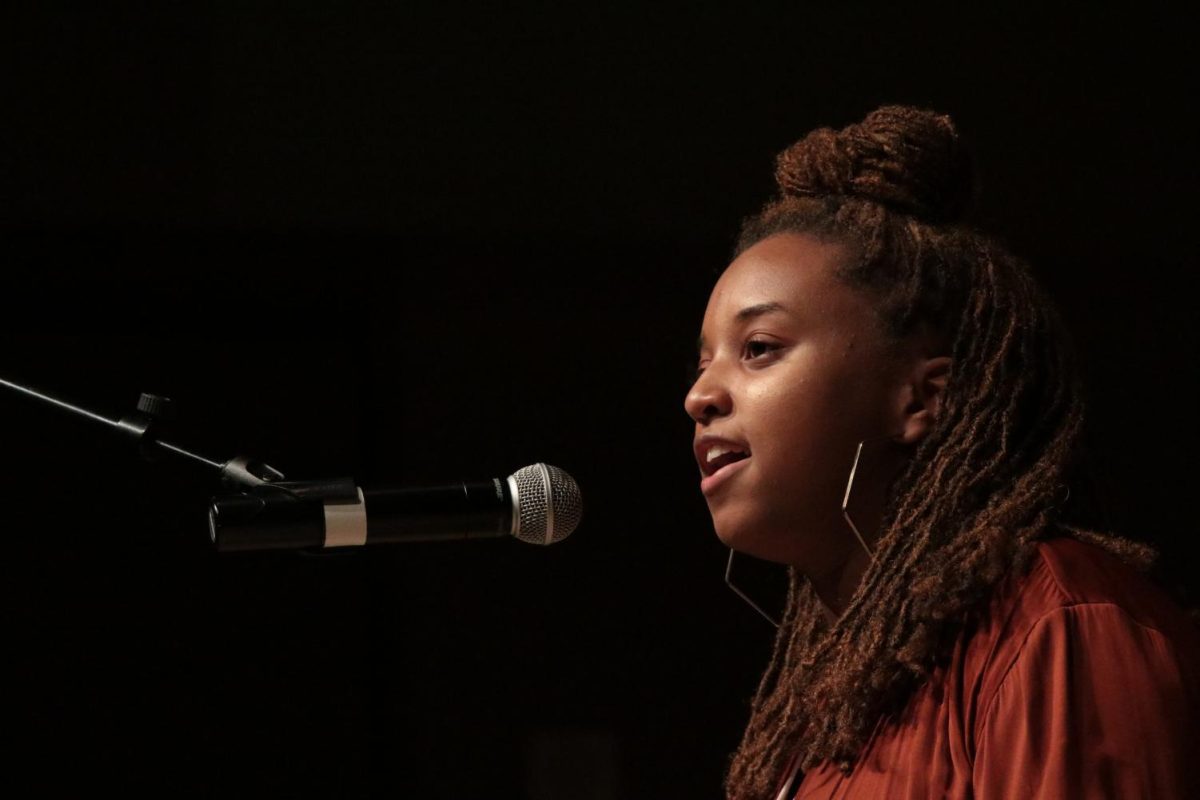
<point x="708" y="398"/>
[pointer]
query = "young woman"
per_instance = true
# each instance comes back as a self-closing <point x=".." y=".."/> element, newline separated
<point x="953" y="632"/>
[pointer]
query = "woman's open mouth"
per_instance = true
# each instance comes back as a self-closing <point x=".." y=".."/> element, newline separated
<point x="719" y="459"/>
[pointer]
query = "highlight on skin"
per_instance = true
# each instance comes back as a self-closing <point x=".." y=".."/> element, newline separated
<point x="1003" y="455"/>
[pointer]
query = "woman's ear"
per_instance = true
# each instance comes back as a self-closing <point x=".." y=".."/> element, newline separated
<point x="921" y="398"/>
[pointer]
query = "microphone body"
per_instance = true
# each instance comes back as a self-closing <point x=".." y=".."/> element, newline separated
<point x="539" y="504"/>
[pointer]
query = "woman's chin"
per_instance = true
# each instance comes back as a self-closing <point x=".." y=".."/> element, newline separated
<point x="727" y="538"/>
<point x="756" y="537"/>
<point x="746" y="539"/>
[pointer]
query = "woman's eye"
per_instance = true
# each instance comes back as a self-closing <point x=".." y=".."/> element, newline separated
<point x="757" y="348"/>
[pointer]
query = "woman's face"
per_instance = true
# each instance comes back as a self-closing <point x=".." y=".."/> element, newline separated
<point x="795" y="372"/>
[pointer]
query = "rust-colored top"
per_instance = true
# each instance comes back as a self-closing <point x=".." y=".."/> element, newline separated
<point x="1081" y="681"/>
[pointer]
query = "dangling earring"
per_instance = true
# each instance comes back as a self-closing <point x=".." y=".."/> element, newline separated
<point x="845" y="514"/>
<point x="743" y="595"/>
<point x="846" y="501"/>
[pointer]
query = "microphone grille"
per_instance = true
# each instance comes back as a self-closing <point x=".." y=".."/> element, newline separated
<point x="547" y="505"/>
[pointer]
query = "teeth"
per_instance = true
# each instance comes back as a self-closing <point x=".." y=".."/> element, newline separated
<point x="718" y="450"/>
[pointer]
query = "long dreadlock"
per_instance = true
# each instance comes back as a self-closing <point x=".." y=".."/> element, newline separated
<point x="986" y="484"/>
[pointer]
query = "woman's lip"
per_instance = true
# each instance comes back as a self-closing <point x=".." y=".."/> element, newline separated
<point x="709" y="484"/>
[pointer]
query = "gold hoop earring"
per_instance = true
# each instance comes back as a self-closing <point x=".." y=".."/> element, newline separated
<point x="845" y="515"/>
<point x="846" y="501"/>
<point x="729" y="582"/>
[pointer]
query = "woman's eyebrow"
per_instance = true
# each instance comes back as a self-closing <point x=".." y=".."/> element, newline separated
<point x="750" y="312"/>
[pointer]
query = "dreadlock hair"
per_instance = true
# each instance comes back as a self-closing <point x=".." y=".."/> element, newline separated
<point x="988" y="481"/>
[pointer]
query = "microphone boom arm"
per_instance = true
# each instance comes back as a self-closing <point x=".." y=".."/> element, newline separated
<point x="142" y="426"/>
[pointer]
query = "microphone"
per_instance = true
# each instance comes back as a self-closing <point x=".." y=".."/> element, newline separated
<point x="539" y="504"/>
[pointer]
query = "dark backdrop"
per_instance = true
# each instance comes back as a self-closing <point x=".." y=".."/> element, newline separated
<point x="416" y="242"/>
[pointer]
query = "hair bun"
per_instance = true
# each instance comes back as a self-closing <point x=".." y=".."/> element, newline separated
<point x="908" y="159"/>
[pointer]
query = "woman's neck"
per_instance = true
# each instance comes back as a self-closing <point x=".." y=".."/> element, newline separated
<point x="836" y="587"/>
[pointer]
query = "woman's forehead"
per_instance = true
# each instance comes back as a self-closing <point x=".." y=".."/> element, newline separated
<point x="788" y="273"/>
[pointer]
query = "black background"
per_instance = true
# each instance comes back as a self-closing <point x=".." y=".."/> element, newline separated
<point x="420" y="242"/>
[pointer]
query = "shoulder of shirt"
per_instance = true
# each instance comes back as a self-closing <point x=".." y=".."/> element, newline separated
<point x="1066" y="572"/>
<point x="1079" y="606"/>
<point x="1068" y="577"/>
